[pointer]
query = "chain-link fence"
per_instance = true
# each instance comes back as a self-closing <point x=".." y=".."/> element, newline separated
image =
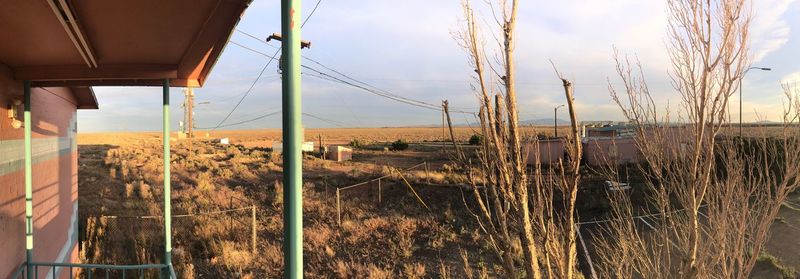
<point x="140" y="239"/>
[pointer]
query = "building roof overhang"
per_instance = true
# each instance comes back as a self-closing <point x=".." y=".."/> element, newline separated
<point x="78" y="44"/>
<point x="84" y="95"/>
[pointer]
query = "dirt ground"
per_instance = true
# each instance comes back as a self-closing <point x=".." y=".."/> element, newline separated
<point x="784" y="242"/>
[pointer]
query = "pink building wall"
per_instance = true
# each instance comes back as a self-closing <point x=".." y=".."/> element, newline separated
<point x="55" y="178"/>
<point x="550" y="151"/>
<point x="610" y="150"/>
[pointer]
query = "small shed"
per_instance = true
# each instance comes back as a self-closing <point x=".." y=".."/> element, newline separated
<point x="277" y="147"/>
<point x="339" y="153"/>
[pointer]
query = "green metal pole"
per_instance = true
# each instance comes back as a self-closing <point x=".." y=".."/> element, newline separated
<point x="167" y="188"/>
<point x="292" y="141"/>
<point x="28" y="181"/>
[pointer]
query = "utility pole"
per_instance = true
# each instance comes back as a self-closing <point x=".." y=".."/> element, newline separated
<point x="555" y="120"/>
<point x="188" y="112"/>
<point x="188" y="115"/>
<point x="292" y="138"/>
<point x="740" y="93"/>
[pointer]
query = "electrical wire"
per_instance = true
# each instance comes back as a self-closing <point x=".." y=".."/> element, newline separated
<point x="364" y="87"/>
<point x="357" y="83"/>
<point x="271" y="58"/>
<point x="244" y="121"/>
<point x="325" y="76"/>
<point x="329" y="121"/>
<point x="311" y="13"/>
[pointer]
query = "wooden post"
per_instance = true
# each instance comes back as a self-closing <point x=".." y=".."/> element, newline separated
<point x="321" y="148"/>
<point x="445" y="108"/>
<point x="254" y="228"/>
<point x="338" y="208"/>
<point x="379" y="192"/>
<point x="190" y="120"/>
<point x="427" y="175"/>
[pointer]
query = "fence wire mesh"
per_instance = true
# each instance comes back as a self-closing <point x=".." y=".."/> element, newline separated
<point x="140" y="239"/>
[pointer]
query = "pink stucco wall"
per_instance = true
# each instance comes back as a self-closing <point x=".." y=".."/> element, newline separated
<point x="55" y="177"/>
<point x="610" y="151"/>
<point x="550" y="151"/>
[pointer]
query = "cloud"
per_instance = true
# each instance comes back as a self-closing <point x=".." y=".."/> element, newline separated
<point x="791" y="78"/>
<point x="406" y="47"/>
<point x="769" y="29"/>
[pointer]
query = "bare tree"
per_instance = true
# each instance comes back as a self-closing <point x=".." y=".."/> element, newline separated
<point x="516" y="209"/>
<point x="716" y="196"/>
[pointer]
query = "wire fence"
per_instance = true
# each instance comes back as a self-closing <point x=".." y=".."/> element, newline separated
<point x="377" y="182"/>
<point x="140" y="239"/>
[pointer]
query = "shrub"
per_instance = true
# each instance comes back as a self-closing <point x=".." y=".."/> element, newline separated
<point x="475" y="139"/>
<point x="541" y="136"/>
<point x="144" y="191"/>
<point x="204" y="183"/>
<point x="399" y="145"/>
<point x="128" y="190"/>
<point x="277" y="199"/>
<point x="355" y="143"/>
<point x="414" y="270"/>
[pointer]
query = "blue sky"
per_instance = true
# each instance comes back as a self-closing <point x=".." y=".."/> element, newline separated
<point x="407" y="48"/>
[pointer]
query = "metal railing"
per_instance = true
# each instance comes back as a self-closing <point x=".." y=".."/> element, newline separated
<point x="101" y="270"/>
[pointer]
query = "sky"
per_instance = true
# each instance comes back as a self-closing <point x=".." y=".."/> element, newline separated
<point x="407" y="48"/>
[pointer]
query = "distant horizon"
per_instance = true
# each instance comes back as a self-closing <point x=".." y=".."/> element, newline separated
<point x="463" y="125"/>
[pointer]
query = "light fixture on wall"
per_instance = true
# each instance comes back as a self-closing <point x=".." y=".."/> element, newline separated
<point x="13" y="110"/>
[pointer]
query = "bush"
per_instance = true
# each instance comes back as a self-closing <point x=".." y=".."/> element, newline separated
<point x="399" y="145"/>
<point x="475" y="139"/>
<point x="355" y="143"/>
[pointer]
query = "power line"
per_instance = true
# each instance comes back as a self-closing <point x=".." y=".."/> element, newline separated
<point x="329" y="121"/>
<point x="325" y="76"/>
<point x="394" y="97"/>
<point x="271" y="58"/>
<point x="225" y="99"/>
<point x="311" y="13"/>
<point x="358" y="83"/>
<point x="364" y="87"/>
<point x="253" y="36"/>
<point x="244" y="121"/>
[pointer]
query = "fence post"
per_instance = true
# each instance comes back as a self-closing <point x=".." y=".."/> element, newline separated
<point x="338" y="208"/>
<point x="427" y="176"/>
<point x="379" y="192"/>
<point x="254" y="229"/>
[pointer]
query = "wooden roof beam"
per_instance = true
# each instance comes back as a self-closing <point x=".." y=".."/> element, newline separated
<point x="80" y="72"/>
<point x="72" y="31"/>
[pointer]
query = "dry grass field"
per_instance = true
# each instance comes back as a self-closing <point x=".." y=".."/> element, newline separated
<point x="121" y="178"/>
<point x="216" y="186"/>
<point x="334" y="135"/>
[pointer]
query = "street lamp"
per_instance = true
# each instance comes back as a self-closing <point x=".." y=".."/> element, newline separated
<point x="555" y="120"/>
<point x="740" y="94"/>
